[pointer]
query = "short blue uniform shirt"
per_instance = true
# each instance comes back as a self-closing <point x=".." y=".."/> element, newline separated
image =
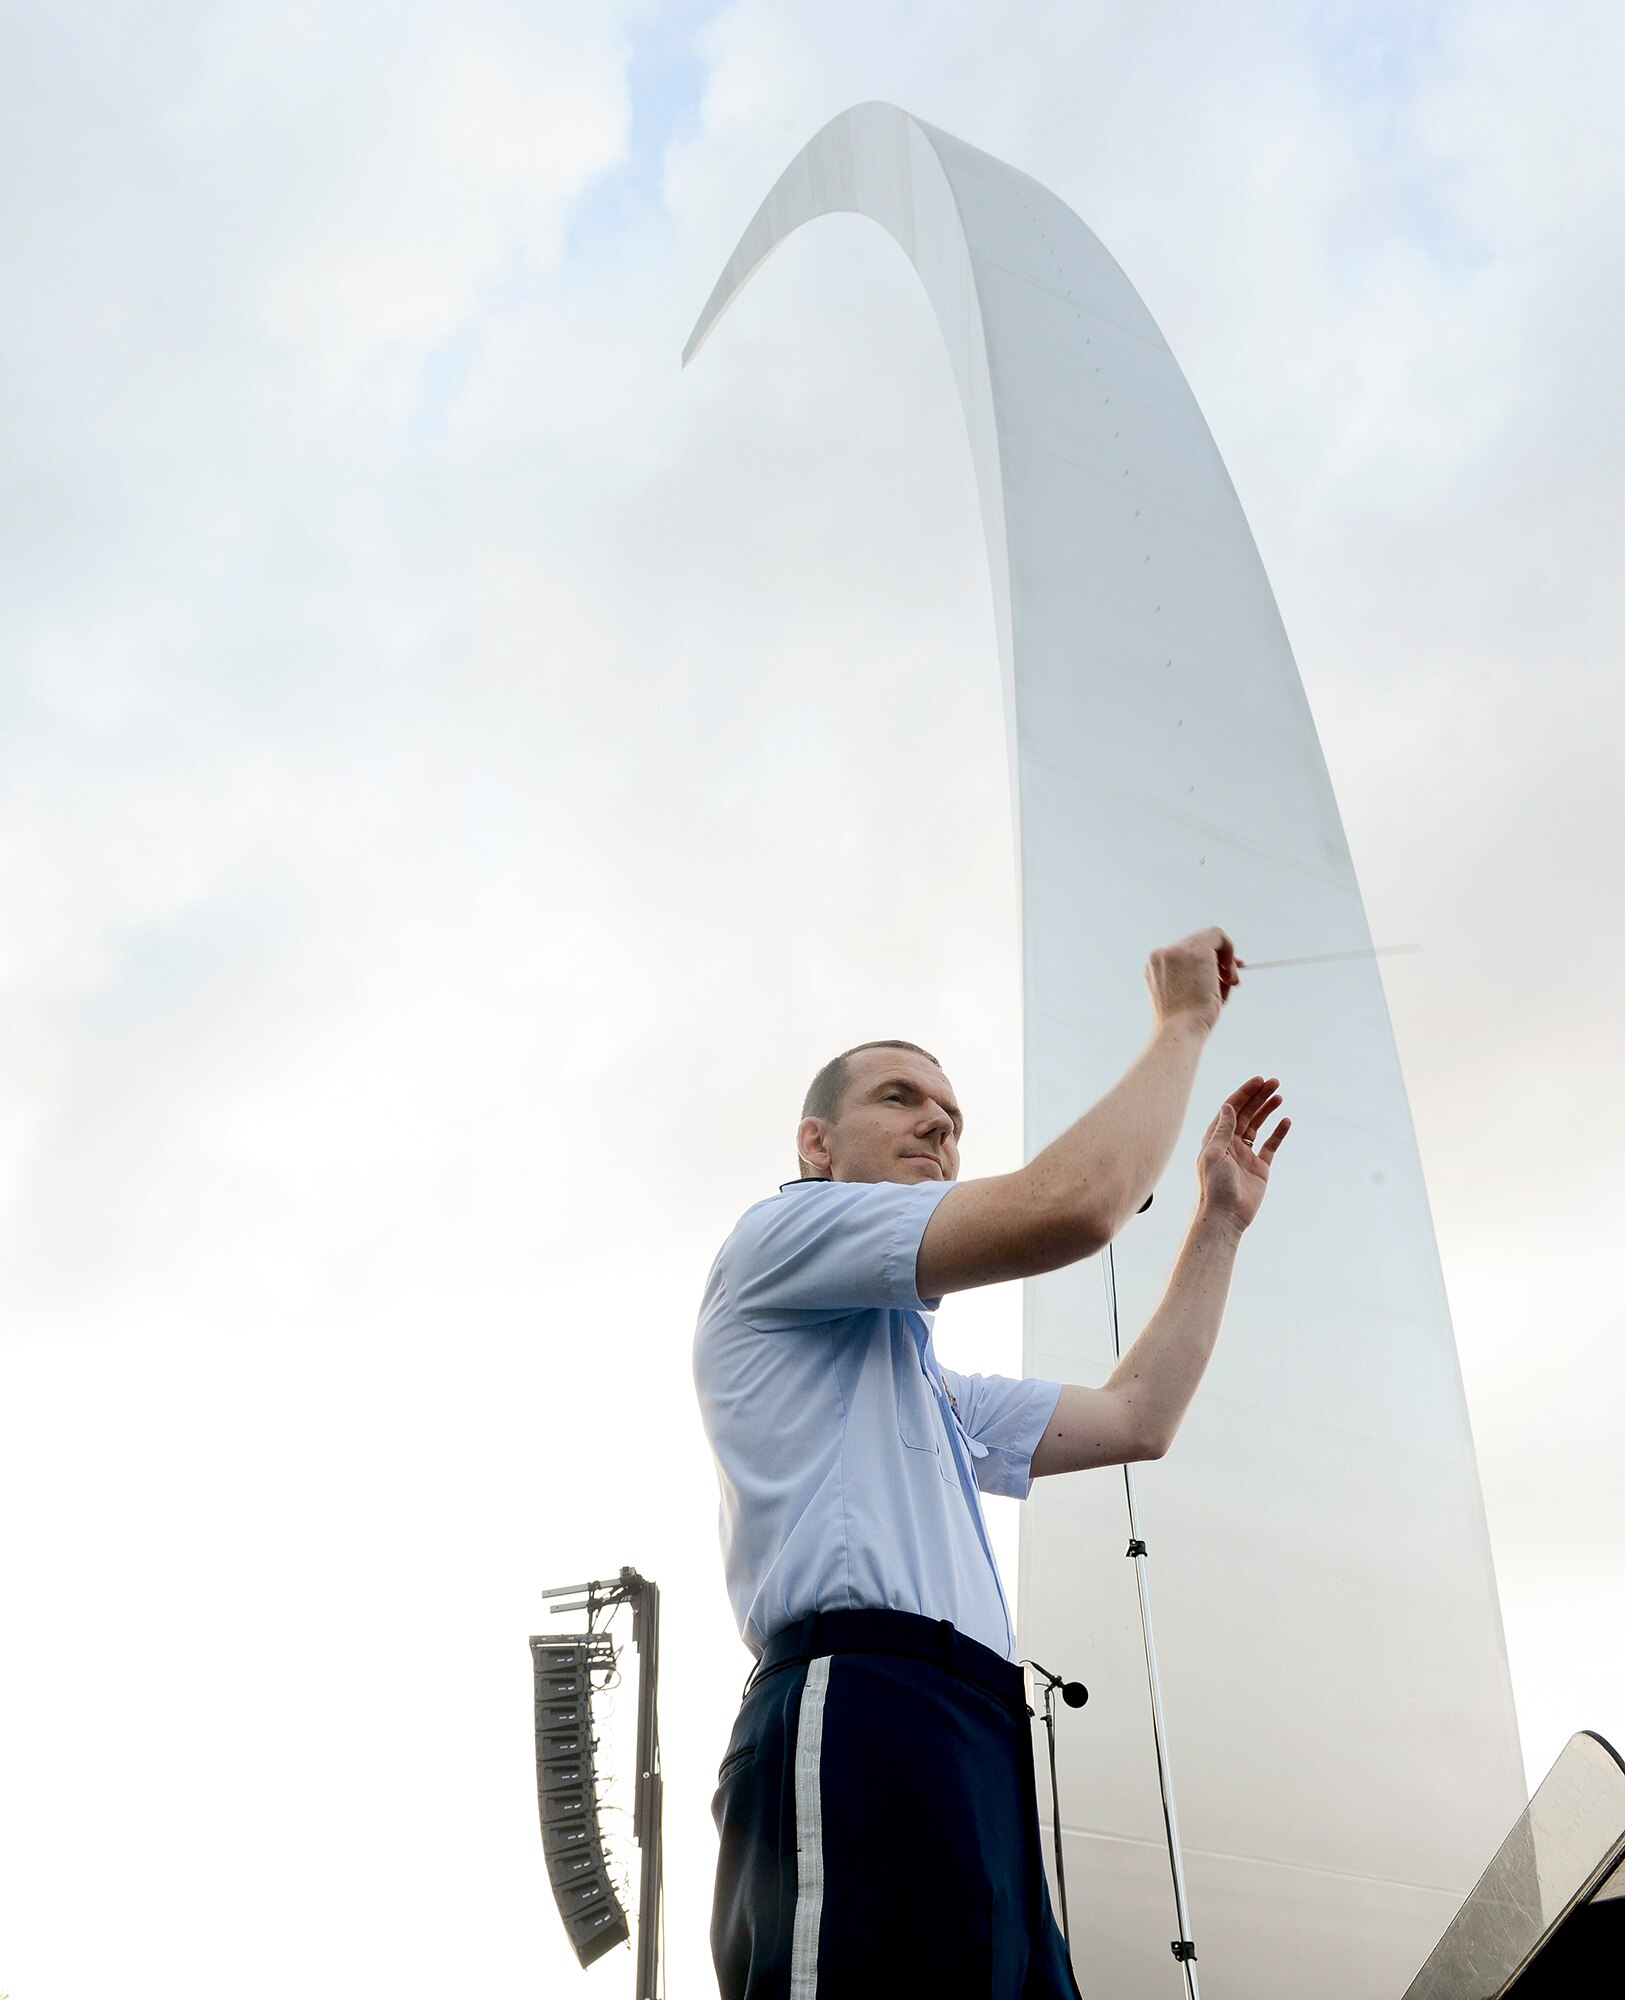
<point x="851" y="1464"/>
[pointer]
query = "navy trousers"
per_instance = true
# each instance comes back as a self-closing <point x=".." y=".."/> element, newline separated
<point x="879" y="1825"/>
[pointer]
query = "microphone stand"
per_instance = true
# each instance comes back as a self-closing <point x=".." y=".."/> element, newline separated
<point x="1074" y="1694"/>
<point x="1184" y="1949"/>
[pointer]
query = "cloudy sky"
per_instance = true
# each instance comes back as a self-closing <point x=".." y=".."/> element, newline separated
<point x="460" y="774"/>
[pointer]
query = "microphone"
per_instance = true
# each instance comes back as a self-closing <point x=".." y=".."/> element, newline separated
<point x="1073" y="1693"/>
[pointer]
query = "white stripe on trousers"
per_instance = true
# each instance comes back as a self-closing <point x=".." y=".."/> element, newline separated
<point x="809" y="1835"/>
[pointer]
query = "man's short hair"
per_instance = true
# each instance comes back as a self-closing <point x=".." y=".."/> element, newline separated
<point x="828" y="1087"/>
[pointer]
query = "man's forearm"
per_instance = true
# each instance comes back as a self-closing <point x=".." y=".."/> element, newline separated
<point x="1104" y="1165"/>
<point x="1136" y="1411"/>
<point x="1074" y="1196"/>
<point x="1156" y="1379"/>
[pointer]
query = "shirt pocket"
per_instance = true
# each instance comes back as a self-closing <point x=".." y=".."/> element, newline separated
<point x="919" y="1418"/>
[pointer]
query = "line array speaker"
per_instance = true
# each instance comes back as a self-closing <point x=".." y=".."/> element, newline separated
<point x="566" y="1790"/>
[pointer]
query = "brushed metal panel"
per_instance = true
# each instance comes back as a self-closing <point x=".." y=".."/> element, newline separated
<point x="1339" y="1709"/>
<point x="1270" y="1933"/>
<point x="1283" y="1745"/>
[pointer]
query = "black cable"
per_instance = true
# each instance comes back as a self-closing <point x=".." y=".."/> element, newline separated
<point x="1055" y="1818"/>
<point x="1074" y="1694"/>
<point x="660" y="1895"/>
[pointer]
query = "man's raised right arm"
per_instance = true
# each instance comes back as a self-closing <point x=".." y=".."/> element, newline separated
<point x="1073" y="1197"/>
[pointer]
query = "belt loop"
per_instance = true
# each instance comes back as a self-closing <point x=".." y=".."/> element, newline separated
<point x="946" y="1639"/>
<point x="809" y="1636"/>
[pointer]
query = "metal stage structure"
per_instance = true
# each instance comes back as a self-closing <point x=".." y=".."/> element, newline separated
<point x="1339" y="1711"/>
<point x="564" y="1666"/>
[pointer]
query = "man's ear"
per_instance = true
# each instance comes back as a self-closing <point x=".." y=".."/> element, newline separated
<point x="810" y="1144"/>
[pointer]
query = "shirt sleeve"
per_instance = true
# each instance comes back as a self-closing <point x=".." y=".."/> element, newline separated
<point x="1006" y="1417"/>
<point x="828" y="1248"/>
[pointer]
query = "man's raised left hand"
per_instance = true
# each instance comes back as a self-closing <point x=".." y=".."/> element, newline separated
<point x="1231" y="1173"/>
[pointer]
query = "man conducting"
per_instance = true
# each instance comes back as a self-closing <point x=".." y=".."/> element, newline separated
<point x="876" y="1806"/>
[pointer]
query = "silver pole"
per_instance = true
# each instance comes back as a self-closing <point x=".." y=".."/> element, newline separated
<point x="1184" y="1947"/>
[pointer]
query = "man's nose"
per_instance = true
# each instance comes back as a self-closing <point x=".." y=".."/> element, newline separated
<point x="936" y="1119"/>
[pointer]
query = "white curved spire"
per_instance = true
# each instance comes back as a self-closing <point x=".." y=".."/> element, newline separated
<point x="1339" y="1710"/>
